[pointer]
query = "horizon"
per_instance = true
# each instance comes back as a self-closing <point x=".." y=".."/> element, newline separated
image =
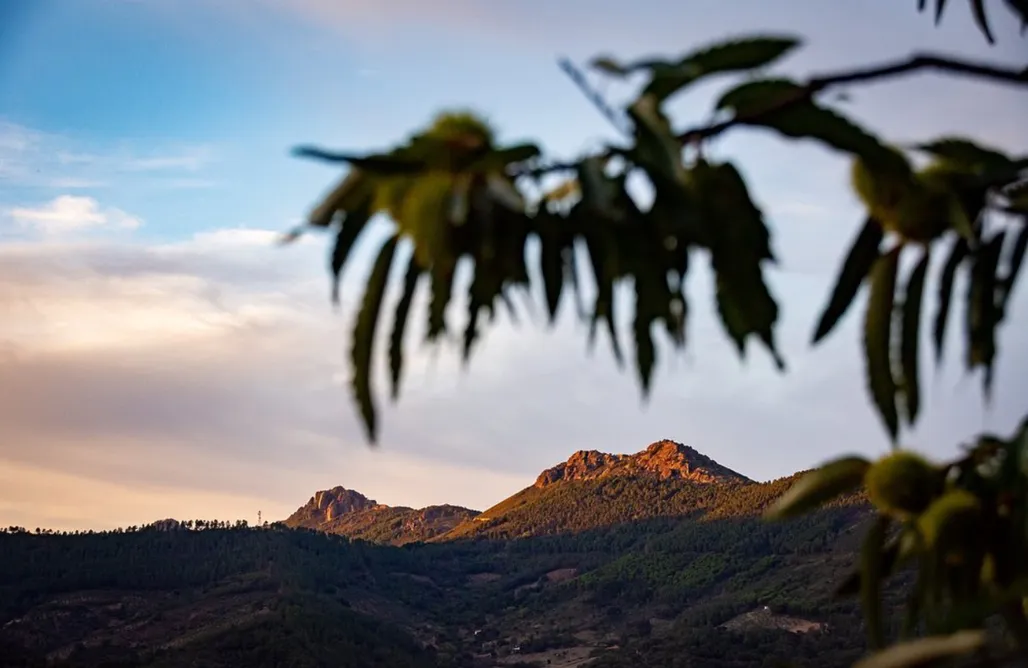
<point x="160" y="358"/>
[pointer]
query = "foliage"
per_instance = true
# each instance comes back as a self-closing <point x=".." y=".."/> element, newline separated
<point x="458" y="199"/>
<point x="962" y="526"/>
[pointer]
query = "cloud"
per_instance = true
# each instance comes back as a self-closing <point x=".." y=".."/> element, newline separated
<point x="209" y="377"/>
<point x="71" y="213"/>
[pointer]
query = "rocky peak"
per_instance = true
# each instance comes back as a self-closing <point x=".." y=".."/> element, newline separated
<point x="329" y="504"/>
<point x="663" y="460"/>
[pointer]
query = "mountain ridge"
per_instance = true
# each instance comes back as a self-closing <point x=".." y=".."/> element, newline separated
<point x="348" y="512"/>
<point x="591" y="489"/>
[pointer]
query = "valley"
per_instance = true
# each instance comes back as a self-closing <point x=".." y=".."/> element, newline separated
<point x="658" y="558"/>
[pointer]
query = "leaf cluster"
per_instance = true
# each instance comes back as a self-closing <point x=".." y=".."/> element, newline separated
<point x="961" y="527"/>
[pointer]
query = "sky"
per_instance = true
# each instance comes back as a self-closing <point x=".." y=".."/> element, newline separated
<point x="160" y="357"/>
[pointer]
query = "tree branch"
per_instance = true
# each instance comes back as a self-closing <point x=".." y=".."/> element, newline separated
<point x="821" y="83"/>
<point x="618" y="121"/>
<point x="805" y="93"/>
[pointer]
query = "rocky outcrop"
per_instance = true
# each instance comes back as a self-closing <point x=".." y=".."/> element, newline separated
<point x="349" y="513"/>
<point x="663" y="460"/>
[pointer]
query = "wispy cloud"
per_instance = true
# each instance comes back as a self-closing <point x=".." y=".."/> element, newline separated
<point x="34" y="158"/>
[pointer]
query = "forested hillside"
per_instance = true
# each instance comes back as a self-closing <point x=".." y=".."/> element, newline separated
<point x="284" y="597"/>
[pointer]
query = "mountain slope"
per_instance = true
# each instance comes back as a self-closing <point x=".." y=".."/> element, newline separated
<point x="349" y="513"/>
<point x="593" y="489"/>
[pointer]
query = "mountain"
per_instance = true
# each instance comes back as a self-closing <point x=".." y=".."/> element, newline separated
<point x="349" y="513"/>
<point x="656" y="558"/>
<point x="595" y="489"/>
<point x="662" y="460"/>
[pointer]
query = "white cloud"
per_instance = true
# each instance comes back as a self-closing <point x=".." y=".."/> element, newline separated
<point x="72" y="213"/>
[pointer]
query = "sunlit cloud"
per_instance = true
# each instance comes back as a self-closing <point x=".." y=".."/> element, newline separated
<point x="71" y="213"/>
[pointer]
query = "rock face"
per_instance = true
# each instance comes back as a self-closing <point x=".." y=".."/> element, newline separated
<point x="344" y="511"/>
<point x="663" y="460"/>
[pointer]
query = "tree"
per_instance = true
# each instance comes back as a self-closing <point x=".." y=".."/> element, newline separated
<point x="461" y="203"/>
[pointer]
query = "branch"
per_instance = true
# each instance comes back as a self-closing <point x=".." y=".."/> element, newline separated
<point x="593" y="96"/>
<point x="819" y="84"/>
<point x="814" y="86"/>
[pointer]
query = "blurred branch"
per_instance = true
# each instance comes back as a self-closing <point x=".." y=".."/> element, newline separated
<point x="617" y="120"/>
<point x="915" y="63"/>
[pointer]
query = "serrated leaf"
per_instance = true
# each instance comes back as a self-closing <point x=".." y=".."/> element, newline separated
<point x="598" y="191"/>
<point x="871" y="576"/>
<point x="603" y="307"/>
<point x="786" y="107"/>
<point x="410" y="284"/>
<point x="957" y="255"/>
<point x="878" y="337"/>
<point x="1014" y="269"/>
<point x="924" y="651"/>
<point x="910" y="338"/>
<point x="364" y="335"/>
<point x="657" y="149"/>
<point x="383" y="165"/>
<point x="551" y="265"/>
<point x="819" y="486"/>
<point x="983" y="310"/>
<point x="510" y="155"/>
<point x="645" y="351"/>
<point x="729" y="56"/>
<point x="351" y="194"/>
<point x="966" y="153"/>
<point x="740" y="241"/>
<point x="980" y="18"/>
<point x="442" y="290"/>
<point x="351" y="227"/>
<point x="862" y="254"/>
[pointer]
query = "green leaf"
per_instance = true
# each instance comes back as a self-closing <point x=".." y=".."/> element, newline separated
<point x="598" y="191"/>
<point x="551" y="264"/>
<point x="729" y="56"/>
<point x="1016" y="262"/>
<point x="410" y="284"/>
<point x="740" y="241"/>
<point x="978" y="10"/>
<point x="871" y="576"/>
<point x="364" y="335"/>
<point x="657" y="149"/>
<point x="878" y="337"/>
<point x="602" y="255"/>
<point x="910" y="337"/>
<point x="820" y="486"/>
<point x="352" y="193"/>
<point x="924" y="651"/>
<point x="957" y="255"/>
<point x="383" y="165"/>
<point x="349" y="230"/>
<point x="966" y="153"/>
<point x="862" y="255"/>
<point x="442" y="290"/>
<point x="642" y="326"/>
<point x="983" y="311"/>
<point x="785" y="106"/>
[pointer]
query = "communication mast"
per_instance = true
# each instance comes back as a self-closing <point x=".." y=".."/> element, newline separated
<point x="258" y="518"/>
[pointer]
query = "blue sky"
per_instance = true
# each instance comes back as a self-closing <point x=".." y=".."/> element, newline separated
<point x="144" y="163"/>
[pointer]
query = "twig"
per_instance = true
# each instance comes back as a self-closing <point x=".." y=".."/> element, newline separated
<point x="576" y="75"/>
